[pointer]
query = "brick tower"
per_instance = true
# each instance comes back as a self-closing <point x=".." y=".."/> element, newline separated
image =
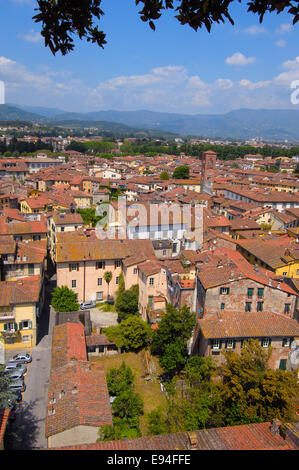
<point x="208" y="167"/>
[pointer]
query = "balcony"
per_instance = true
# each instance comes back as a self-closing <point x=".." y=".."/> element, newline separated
<point x="7" y="316"/>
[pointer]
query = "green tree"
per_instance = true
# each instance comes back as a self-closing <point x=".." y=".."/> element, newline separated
<point x="127" y="303"/>
<point x="156" y="422"/>
<point x="108" y="278"/>
<point x="64" y="21"/>
<point x="131" y="334"/>
<point x="199" y="370"/>
<point x="128" y="405"/>
<point x="261" y="393"/>
<point x="181" y="172"/>
<point x="119" y="380"/>
<point x="121" y="286"/>
<point x="164" y="175"/>
<point x="64" y="300"/>
<point x="7" y="396"/>
<point x="174" y="324"/>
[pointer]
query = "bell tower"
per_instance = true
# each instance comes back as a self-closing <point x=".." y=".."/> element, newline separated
<point x="208" y="167"/>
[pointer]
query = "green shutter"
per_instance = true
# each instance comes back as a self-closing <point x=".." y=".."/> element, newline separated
<point x="16" y="326"/>
<point x="20" y="325"/>
<point x="283" y="364"/>
<point x="5" y="326"/>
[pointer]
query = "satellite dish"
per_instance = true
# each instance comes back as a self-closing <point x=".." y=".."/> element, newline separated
<point x="293" y="359"/>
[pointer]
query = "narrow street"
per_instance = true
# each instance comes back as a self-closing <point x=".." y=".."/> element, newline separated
<point x="28" y="430"/>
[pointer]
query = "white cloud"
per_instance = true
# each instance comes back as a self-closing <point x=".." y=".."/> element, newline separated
<point x="284" y="28"/>
<point x="255" y="30"/>
<point x="292" y="73"/>
<point x="224" y="83"/>
<point x="171" y="88"/>
<point x="32" y="36"/>
<point x="281" y="43"/>
<point x="239" y="59"/>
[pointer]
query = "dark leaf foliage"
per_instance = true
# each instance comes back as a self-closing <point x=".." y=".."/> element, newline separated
<point x="63" y="19"/>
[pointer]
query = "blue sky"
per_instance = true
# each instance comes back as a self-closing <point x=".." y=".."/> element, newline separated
<point x="173" y="69"/>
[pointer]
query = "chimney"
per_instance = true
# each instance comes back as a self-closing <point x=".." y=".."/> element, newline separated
<point x="275" y="427"/>
<point x="192" y="441"/>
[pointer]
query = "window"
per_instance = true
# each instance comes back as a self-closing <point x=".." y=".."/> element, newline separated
<point x="74" y="267"/>
<point x="117" y="263"/>
<point x="249" y="292"/>
<point x="216" y="344"/>
<point x="36" y="237"/>
<point x="30" y="269"/>
<point x="25" y="325"/>
<point x="260" y="306"/>
<point x="230" y="344"/>
<point x="265" y="342"/>
<point x="284" y="274"/>
<point x="286" y="342"/>
<point x="287" y="308"/>
<point x="151" y="281"/>
<point x="164" y="252"/>
<point x="224" y="290"/>
<point x="100" y="281"/>
<point x="150" y="301"/>
<point x="62" y="229"/>
<point x="74" y="283"/>
<point x="10" y="327"/>
<point x="100" y="265"/>
<point x="248" y="307"/>
<point x="26" y="339"/>
<point x="100" y="295"/>
<point x="222" y="306"/>
<point x="260" y="292"/>
<point x="135" y="270"/>
<point x="117" y="280"/>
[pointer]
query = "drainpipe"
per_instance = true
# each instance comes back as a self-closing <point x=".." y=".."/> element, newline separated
<point x="84" y="280"/>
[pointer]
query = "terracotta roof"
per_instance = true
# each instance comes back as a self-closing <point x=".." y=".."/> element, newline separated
<point x="19" y="228"/>
<point x="24" y="290"/>
<point x="224" y="265"/>
<point x="256" y="436"/>
<point x="94" y="249"/>
<point x="248" y="325"/>
<point x="67" y="218"/>
<point x="4" y="414"/>
<point x="81" y="397"/>
<point x="272" y="252"/>
<point x="97" y="340"/>
<point x="68" y="343"/>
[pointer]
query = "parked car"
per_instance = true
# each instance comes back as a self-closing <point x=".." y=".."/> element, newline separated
<point x="87" y="305"/>
<point x="17" y="374"/>
<point x="15" y="366"/>
<point x="17" y="385"/>
<point x="21" y="358"/>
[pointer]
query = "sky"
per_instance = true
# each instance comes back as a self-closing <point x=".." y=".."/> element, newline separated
<point x="173" y="69"/>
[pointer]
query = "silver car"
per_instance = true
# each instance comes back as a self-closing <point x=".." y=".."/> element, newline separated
<point x="17" y="385"/>
<point x="15" y="366"/>
<point x="16" y="375"/>
<point x="87" y="305"/>
<point x="21" y="358"/>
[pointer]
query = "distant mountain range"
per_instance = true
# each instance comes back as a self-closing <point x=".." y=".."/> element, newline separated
<point x="239" y="124"/>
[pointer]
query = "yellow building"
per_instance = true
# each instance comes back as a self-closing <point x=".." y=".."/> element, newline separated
<point x="21" y="302"/>
<point x="280" y="256"/>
